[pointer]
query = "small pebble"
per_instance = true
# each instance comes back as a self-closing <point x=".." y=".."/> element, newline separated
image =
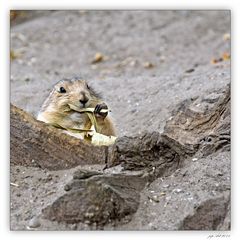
<point x="168" y="198"/>
<point x="133" y="63"/>
<point x="67" y="187"/>
<point x="162" y="59"/>
<point x="49" y="178"/>
<point x="148" y="65"/>
<point x="34" y="223"/>
<point x="178" y="190"/>
<point x="194" y="159"/>
<point x="97" y="58"/>
<point x="226" y="37"/>
<point x="74" y="226"/>
<point x="155" y="198"/>
<point x="190" y="70"/>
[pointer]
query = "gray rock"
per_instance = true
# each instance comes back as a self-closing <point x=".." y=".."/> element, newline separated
<point x="34" y="222"/>
<point x="99" y="199"/>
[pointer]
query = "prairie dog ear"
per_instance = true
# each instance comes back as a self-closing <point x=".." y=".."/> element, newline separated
<point x="84" y="81"/>
<point x="88" y="87"/>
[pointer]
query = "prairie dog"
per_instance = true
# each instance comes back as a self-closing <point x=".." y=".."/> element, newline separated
<point x="70" y="94"/>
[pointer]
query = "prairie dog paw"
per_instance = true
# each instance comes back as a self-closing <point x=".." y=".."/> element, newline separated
<point x="98" y="112"/>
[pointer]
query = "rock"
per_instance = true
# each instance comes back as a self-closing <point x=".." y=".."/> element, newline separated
<point x="67" y="187"/>
<point x="83" y="174"/>
<point x="177" y="190"/>
<point x="54" y="150"/>
<point x="190" y="70"/>
<point x="148" y="65"/>
<point x="194" y="128"/>
<point x="98" y="200"/>
<point x="226" y="37"/>
<point x="146" y="150"/>
<point x="74" y="226"/>
<point x="34" y="223"/>
<point x="226" y="223"/>
<point x="208" y="215"/>
<point x="97" y="58"/>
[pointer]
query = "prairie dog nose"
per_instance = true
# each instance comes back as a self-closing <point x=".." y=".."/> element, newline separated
<point x="84" y="100"/>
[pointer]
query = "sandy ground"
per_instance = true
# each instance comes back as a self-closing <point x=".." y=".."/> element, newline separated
<point x="152" y="61"/>
<point x="63" y="44"/>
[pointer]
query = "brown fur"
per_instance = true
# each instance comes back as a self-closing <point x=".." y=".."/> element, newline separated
<point x="56" y="110"/>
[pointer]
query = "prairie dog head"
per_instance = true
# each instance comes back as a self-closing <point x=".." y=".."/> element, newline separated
<point x="67" y="93"/>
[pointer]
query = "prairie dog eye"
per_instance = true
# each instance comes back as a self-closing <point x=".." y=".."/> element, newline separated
<point x="62" y="90"/>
